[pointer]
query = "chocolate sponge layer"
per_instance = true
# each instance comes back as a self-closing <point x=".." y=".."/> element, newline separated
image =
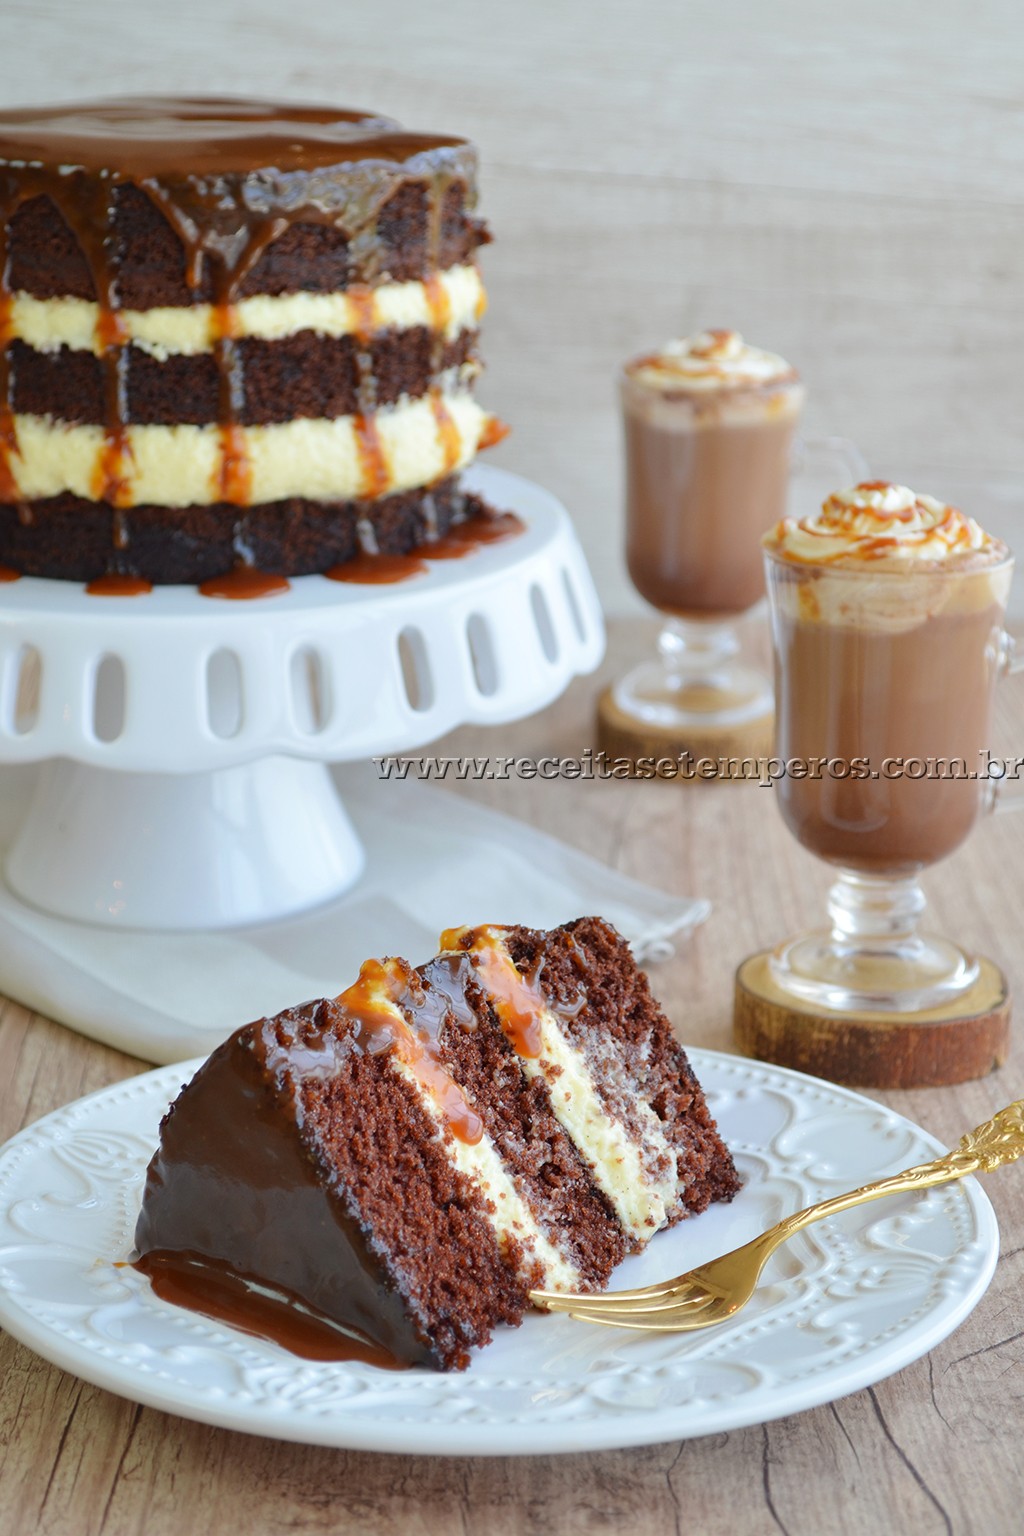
<point x="76" y="540"/>
<point x="306" y="375"/>
<point x="45" y="259"/>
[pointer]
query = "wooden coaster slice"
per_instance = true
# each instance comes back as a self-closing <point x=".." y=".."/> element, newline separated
<point x="962" y="1040"/>
<point x="701" y="755"/>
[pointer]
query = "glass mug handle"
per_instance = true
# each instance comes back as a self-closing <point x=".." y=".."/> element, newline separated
<point x="838" y="457"/>
<point x="1006" y="793"/>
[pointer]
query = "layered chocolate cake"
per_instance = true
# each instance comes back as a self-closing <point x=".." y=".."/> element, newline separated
<point x="232" y="333"/>
<point x="386" y="1175"/>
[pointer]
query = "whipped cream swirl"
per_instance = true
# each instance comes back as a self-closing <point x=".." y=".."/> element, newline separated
<point x="710" y="360"/>
<point x="877" y="521"/>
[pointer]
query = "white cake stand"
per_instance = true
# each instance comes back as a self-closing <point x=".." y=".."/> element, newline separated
<point x="183" y="740"/>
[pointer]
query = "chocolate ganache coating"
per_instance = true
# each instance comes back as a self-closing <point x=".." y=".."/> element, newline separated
<point x="221" y="1200"/>
<point x="229" y="176"/>
<point x="299" y="1172"/>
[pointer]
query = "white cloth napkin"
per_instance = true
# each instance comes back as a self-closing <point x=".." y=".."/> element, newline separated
<point x="435" y="860"/>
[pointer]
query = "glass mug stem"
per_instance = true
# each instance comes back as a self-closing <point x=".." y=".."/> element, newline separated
<point x="874" y="958"/>
<point x="697" y="679"/>
<point x="696" y="682"/>
<point x="877" y="911"/>
<point x="689" y="650"/>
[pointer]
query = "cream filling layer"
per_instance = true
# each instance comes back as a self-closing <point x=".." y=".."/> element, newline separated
<point x="417" y="441"/>
<point x="640" y="1199"/>
<point x="511" y="1217"/>
<point x="451" y="302"/>
<point x="638" y="1179"/>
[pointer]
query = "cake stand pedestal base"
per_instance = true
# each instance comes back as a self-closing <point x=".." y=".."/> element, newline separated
<point x="737" y="751"/>
<point x="962" y="1040"/>
<point x="253" y="843"/>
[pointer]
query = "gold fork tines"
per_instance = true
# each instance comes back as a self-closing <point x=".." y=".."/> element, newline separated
<point x="716" y="1291"/>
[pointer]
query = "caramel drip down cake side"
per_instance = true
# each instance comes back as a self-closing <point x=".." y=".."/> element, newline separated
<point x="205" y="361"/>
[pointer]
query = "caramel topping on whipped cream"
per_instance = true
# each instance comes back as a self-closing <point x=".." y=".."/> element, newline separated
<point x="710" y="360"/>
<point x="877" y="521"/>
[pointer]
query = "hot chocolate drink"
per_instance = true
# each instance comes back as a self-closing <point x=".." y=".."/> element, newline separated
<point x="887" y="610"/>
<point x="709" y="424"/>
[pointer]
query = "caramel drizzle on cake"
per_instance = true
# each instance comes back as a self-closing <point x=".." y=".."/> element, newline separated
<point x="381" y="1002"/>
<point x="517" y="1000"/>
<point x="116" y="585"/>
<point x="8" y="433"/>
<point x="495" y="431"/>
<point x="229" y="245"/>
<point x="235" y="474"/>
<point x="447" y="432"/>
<point x="110" y="479"/>
<point x="231" y="179"/>
<point x="375" y="472"/>
<point x="439" y="303"/>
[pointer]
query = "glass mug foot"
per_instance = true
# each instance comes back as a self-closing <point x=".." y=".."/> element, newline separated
<point x="873" y="959"/>
<point x="926" y="972"/>
<point x="696" y="683"/>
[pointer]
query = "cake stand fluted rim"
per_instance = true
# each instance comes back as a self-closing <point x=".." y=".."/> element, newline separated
<point x="531" y="599"/>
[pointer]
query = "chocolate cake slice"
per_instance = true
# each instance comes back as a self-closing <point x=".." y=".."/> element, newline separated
<point x="398" y="1167"/>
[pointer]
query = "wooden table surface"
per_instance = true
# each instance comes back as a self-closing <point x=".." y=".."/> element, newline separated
<point x="935" y="1448"/>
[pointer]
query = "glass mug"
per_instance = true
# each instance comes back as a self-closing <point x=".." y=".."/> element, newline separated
<point x="884" y="684"/>
<point x="706" y="474"/>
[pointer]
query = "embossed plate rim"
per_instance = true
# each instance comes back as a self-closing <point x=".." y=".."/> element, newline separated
<point x="427" y="1413"/>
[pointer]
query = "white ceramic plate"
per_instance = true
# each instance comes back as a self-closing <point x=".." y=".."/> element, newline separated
<point x="841" y="1306"/>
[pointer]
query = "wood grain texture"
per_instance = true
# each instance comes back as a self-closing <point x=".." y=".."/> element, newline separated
<point x="963" y="1040"/>
<point x="934" y="1449"/>
<point x="688" y="755"/>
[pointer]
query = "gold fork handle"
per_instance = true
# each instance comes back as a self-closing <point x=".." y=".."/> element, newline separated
<point x="998" y="1141"/>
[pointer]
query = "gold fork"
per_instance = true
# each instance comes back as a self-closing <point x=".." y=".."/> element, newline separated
<point x="718" y="1290"/>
